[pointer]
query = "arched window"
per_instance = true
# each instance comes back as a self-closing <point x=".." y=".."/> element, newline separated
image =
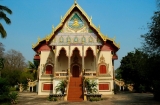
<point x="48" y="69"/>
<point x="103" y="69"/>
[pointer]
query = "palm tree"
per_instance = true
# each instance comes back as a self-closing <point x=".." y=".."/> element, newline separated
<point x="33" y="67"/>
<point x="3" y="11"/>
<point x="61" y="86"/>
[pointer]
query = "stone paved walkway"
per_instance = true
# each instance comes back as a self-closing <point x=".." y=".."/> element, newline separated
<point x="117" y="99"/>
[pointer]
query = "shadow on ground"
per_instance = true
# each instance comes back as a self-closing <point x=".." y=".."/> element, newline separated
<point x="122" y="98"/>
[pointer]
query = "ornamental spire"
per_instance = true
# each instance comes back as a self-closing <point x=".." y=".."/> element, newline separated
<point x="75" y="1"/>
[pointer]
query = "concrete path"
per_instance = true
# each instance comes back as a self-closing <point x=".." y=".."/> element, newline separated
<point x="117" y="99"/>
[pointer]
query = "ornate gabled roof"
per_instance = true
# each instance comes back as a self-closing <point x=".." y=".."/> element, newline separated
<point x="89" y="19"/>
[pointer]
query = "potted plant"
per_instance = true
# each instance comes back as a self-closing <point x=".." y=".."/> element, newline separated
<point x="61" y="87"/>
<point x="91" y="86"/>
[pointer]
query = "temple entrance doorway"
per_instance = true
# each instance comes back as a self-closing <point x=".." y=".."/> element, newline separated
<point x="75" y="71"/>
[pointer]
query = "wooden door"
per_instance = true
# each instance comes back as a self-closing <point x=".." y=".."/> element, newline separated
<point x="75" y="71"/>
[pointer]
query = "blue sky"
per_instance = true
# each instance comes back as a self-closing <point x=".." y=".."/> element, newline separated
<point x="124" y="19"/>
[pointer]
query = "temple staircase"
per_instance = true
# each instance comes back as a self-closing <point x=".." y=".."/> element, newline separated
<point x="75" y="90"/>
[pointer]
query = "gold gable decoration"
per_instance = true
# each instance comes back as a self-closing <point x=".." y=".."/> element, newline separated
<point x="102" y="59"/>
<point x="50" y="60"/>
<point x="89" y="19"/>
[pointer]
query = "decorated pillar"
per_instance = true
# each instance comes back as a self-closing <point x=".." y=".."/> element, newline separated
<point x="82" y="59"/>
<point x="95" y="67"/>
<point x="69" y="60"/>
<point x="97" y="50"/>
<point x="55" y="61"/>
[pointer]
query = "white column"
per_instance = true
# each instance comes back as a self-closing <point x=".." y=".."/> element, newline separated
<point x="82" y="59"/>
<point x="96" y="61"/>
<point x="55" y="61"/>
<point x="69" y="59"/>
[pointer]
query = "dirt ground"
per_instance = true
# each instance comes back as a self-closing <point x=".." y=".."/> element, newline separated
<point x="122" y="98"/>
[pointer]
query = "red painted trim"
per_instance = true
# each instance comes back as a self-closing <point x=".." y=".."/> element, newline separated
<point x="36" y="57"/>
<point x="103" y="86"/>
<point x="114" y="57"/>
<point x="43" y="47"/>
<point x="47" y="86"/>
<point x="48" y="69"/>
<point x="103" y="69"/>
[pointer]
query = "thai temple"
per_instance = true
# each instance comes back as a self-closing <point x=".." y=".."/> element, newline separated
<point x="75" y="50"/>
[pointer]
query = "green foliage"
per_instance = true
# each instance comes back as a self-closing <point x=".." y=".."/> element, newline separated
<point x="4" y="90"/>
<point x="151" y="46"/>
<point x="133" y="69"/>
<point x="61" y="86"/>
<point x="3" y="11"/>
<point x="118" y="74"/>
<point x="95" y="99"/>
<point x="156" y="87"/>
<point x="1" y="63"/>
<point x="13" y="88"/>
<point x="13" y="97"/>
<point x="52" y="98"/>
<point x="91" y="86"/>
<point x="152" y="38"/>
<point x="33" y="67"/>
<point x="16" y="76"/>
<point x="142" y="88"/>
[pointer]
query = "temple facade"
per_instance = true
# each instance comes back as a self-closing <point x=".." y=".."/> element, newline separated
<point x="73" y="51"/>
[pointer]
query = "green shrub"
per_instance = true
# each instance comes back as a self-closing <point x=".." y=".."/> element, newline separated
<point x="141" y="88"/>
<point x="55" y="99"/>
<point x="4" y="90"/>
<point x="156" y="89"/>
<point x="52" y="98"/>
<point x="94" y="99"/>
<point x="12" y="89"/>
<point x="13" y="97"/>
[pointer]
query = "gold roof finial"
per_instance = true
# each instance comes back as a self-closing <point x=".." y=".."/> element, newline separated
<point x="90" y="19"/>
<point x="39" y="39"/>
<point x="99" y="27"/>
<point x="75" y="1"/>
<point x="33" y="45"/>
<point x="52" y="26"/>
<point x="61" y="17"/>
<point x="114" y="38"/>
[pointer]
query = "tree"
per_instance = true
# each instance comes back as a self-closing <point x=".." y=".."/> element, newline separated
<point x="1" y="50"/>
<point x="1" y="57"/>
<point x="118" y="73"/>
<point x="151" y="42"/>
<point x="3" y="11"/>
<point x="133" y="68"/>
<point x="16" y="76"/>
<point x="151" y="46"/>
<point x="33" y="68"/>
<point x="4" y="90"/>
<point x="14" y="60"/>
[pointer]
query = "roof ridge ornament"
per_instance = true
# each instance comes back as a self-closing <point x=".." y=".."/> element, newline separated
<point x="90" y="19"/>
<point x="75" y="2"/>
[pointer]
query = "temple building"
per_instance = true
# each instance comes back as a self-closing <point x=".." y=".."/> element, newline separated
<point x="73" y="51"/>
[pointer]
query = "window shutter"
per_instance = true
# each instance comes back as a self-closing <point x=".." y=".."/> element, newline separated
<point x="103" y="86"/>
<point x="47" y="86"/>
<point x="48" y="69"/>
<point x="103" y="69"/>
